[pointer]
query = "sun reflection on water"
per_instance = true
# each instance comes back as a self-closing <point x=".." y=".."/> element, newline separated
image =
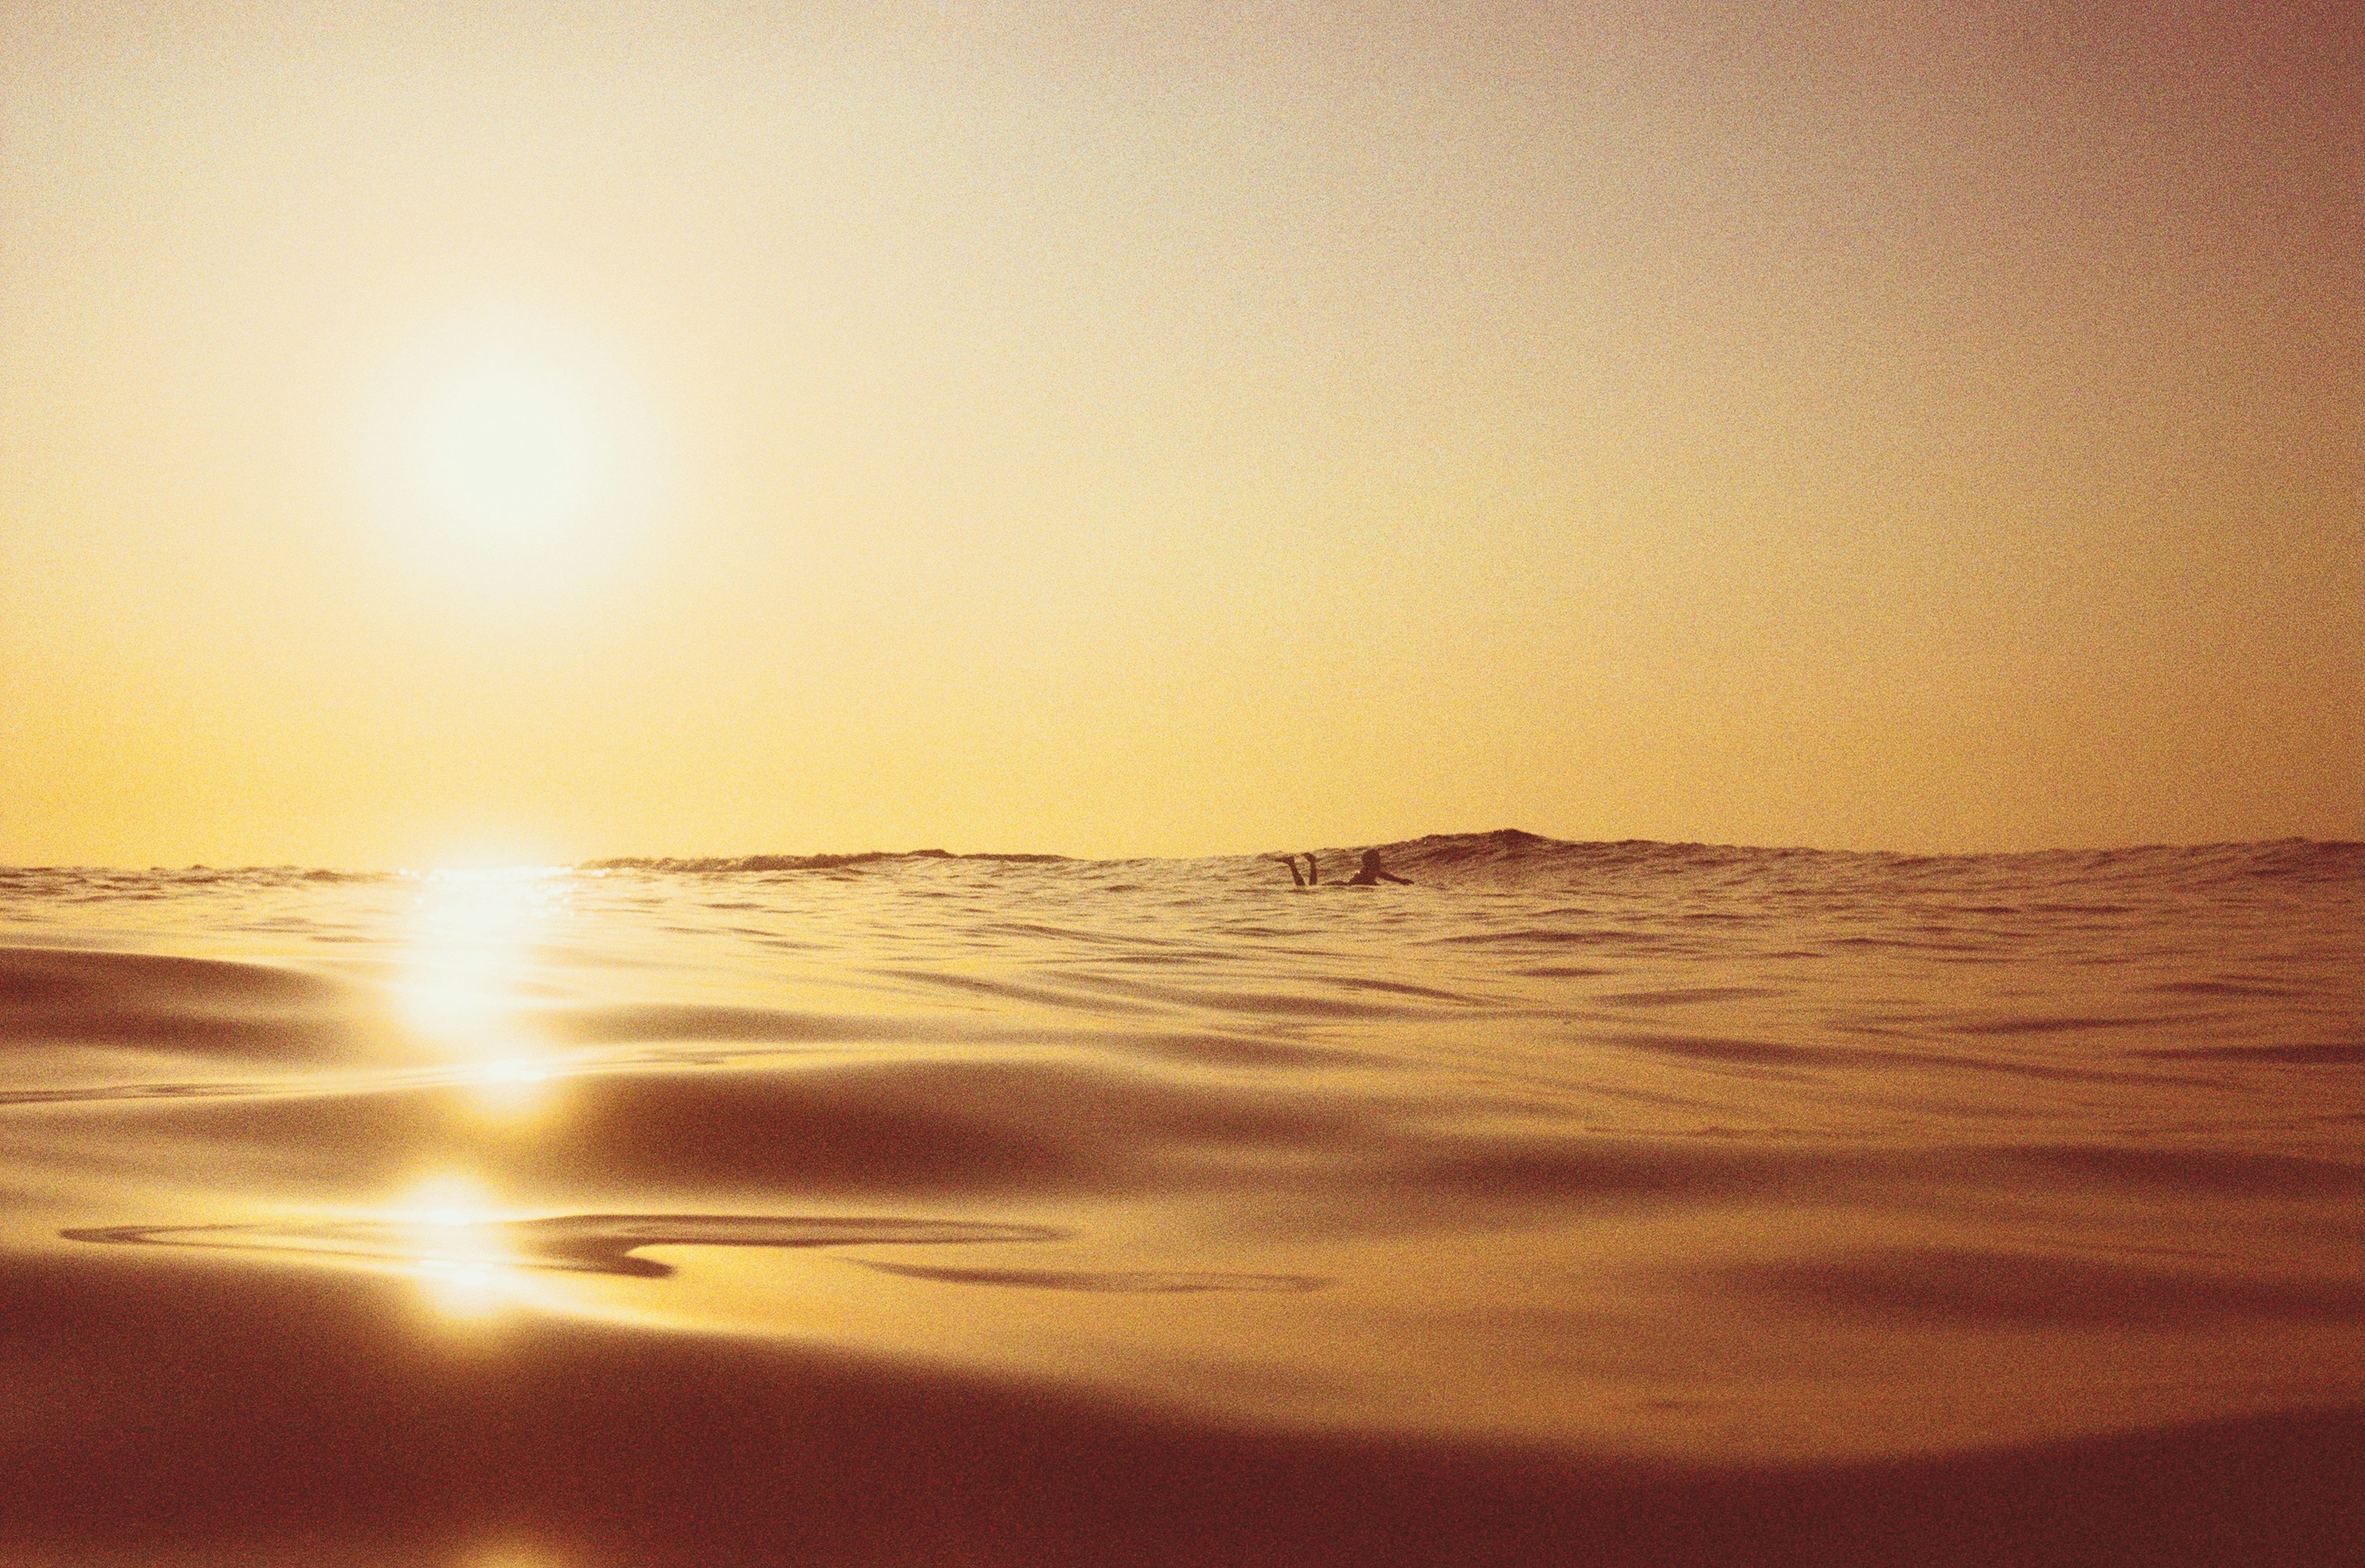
<point x="509" y="1556"/>
<point x="512" y="1088"/>
<point x="461" y="1289"/>
<point x="457" y="1252"/>
<point x="468" y="971"/>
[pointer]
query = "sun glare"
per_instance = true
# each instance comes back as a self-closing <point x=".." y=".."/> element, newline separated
<point x="467" y="973"/>
<point x="469" y="954"/>
<point x="507" y="451"/>
<point x="511" y="450"/>
<point x="442" y="1209"/>
<point x="457" y="1260"/>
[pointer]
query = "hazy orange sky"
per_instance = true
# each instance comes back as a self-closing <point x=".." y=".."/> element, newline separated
<point x="440" y="431"/>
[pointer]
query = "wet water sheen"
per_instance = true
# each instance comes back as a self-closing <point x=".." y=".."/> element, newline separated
<point x="439" y="1218"/>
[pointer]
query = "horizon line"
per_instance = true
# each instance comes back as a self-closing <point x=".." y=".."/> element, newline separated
<point x="829" y="859"/>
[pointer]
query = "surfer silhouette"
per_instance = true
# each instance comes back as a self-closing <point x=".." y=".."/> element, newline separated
<point x="1371" y="875"/>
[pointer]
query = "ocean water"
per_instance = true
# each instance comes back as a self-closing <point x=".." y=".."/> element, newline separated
<point x="1620" y="1202"/>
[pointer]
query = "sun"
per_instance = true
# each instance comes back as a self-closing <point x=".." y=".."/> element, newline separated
<point x="508" y="449"/>
<point x="504" y="454"/>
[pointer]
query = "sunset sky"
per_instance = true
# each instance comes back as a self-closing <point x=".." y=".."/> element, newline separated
<point x="442" y="432"/>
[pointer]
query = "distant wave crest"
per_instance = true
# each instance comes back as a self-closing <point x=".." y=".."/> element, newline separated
<point x="1504" y="855"/>
<point x="794" y="862"/>
<point x="1511" y="854"/>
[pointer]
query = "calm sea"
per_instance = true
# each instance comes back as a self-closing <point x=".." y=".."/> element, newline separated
<point x="919" y="1208"/>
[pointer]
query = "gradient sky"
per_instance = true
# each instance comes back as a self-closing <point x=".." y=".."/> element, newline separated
<point x="1178" y="427"/>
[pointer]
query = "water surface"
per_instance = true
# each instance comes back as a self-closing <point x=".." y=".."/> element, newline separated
<point x="933" y="1209"/>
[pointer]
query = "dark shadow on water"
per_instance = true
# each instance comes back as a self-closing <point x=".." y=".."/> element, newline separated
<point x="2232" y="1172"/>
<point x="1120" y="1284"/>
<point x="889" y="1130"/>
<point x="219" y="1416"/>
<point x="1684" y="996"/>
<point x="211" y="1007"/>
<point x="1991" y="1289"/>
<point x="2328" y="1053"/>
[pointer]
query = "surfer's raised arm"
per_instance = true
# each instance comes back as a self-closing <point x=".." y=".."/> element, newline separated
<point x="1296" y="878"/>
